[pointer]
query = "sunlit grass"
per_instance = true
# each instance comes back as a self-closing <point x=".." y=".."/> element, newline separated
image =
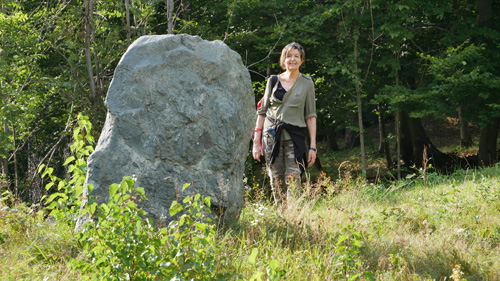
<point x="33" y="249"/>
<point x="408" y="230"/>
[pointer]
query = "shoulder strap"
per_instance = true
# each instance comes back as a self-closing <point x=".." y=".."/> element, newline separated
<point x="274" y="80"/>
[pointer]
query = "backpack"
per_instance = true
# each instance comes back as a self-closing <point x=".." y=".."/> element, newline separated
<point x="274" y="80"/>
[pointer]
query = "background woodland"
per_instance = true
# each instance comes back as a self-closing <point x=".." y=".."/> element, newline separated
<point x="382" y="64"/>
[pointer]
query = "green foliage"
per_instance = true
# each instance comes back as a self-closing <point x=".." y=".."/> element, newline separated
<point x="31" y="246"/>
<point x="43" y="68"/>
<point x="23" y="86"/>
<point x="64" y="202"/>
<point x="42" y="72"/>
<point x="122" y="244"/>
<point x="273" y="272"/>
<point x="447" y="228"/>
<point x="191" y="239"/>
<point x="347" y="250"/>
<point x="462" y="79"/>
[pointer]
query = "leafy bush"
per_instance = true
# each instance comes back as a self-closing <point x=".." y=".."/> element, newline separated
<point x="123" y="244"/>
<point x="64" y="203"/>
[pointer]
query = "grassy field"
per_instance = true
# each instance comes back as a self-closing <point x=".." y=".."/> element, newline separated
<point x="406" y="231"/>
<point x="423" y="227"/>
<point x="432" y="228"/>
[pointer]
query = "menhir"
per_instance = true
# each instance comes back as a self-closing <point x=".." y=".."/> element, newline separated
<point x="180" y="110"/>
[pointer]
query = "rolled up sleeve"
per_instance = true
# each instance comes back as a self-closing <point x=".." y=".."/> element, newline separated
<point x="310" y="104"/>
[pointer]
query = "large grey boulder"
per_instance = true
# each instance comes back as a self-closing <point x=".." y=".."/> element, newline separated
<point x="180" y="110"/>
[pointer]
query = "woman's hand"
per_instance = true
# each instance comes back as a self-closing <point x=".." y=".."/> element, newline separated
<point x="312" y="158"/>
<point x="311" y="126"/>
<point x="257" y="149"/>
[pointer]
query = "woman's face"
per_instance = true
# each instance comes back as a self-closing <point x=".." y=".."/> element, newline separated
<point x="293" y="61"/>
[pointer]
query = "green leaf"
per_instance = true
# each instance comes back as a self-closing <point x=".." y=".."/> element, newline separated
<point x="342" y="239"/>
<point x="130" y="182"/>
<point x="131" y="205"/>
<point x="69" y="160"/>
<point x="123" y="187"/>
<point x="113" y="189"/>
<point x="370" y="276"/>
<point x="61" y="185"/>
<point x="51" y="197"/>
<point x="49" y="185"/>
<point x="102" y="216"/>
<point x="206" y="200"/>
<point x="201" y="226"/>
<point x="175" y="208"/>
<point x="253" y="256"/>
<point x="140" y="191"/>
<point x="356" y="243"/>
<point x="274" y="264"/>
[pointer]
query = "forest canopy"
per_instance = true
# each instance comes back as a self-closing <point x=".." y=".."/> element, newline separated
<point x="386" y="60"/>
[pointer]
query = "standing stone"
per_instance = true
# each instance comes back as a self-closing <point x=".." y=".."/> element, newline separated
<point x="180" y="110"/>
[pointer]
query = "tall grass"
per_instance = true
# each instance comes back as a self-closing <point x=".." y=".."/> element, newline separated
<point x="33" y="249"/>
<point x="445" y="229"/>
<point x="408" y="231"/>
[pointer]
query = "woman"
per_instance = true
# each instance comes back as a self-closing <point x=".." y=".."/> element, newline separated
<point x="288" y="107"/>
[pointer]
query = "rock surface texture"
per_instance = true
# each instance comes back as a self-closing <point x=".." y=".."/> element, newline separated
<point x="180" y="110"/>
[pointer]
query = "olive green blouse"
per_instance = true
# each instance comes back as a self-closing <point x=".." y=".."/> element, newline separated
<point x="298" y="105"/>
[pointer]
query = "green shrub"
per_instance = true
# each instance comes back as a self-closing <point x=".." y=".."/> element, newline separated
<point x="64" y="202"/>
<point x="121" y="243"/>
<point x="124" y="245"/>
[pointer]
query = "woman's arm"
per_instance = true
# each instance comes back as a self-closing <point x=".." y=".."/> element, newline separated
<point x="257" y="134"/>
<point x="311" y="127"/>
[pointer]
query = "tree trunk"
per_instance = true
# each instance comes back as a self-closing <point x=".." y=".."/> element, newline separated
<point x="98" y="77"/>
<point x="383" y="146"/>
<point x="358" y="103"/>
<point x="487" y="154"/>
<point x="15" y="159"/>
<point x="417" y="149"/>
<point x="399" y="115"/>
<point x="332" y="139"/>
<point x="465" y="135"/>
<point x="5" y="167"/>
<point x="484" y="13"/>
<point x="127" y="19"/>
<point x="405" y="143"/>
<point x="5" y="162"/>
<point x="488" y="145"/>
<point x="88" y="55"/>
<point x="381" y="131"/>
<point x="351" y="138"/>
<point x="170" y="16"/>
<point x="398" y="143"/>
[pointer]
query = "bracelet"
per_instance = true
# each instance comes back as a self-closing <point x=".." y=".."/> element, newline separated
<point x="313" y="149"/>
<point x="257" y="130"/>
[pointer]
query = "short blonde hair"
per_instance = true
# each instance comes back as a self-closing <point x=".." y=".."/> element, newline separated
<point x="287" y="49"/>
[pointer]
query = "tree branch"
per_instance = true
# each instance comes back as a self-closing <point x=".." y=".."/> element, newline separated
<point x="372" y="51"/>
<point x="272" y="49"/>
<point x="53" y="149"/>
